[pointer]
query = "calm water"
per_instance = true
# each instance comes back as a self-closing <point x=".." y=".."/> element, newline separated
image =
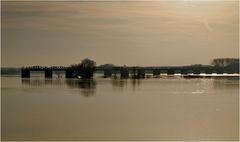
<point x="108" y="109"/>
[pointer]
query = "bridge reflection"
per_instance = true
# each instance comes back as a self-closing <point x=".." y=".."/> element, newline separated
<point x="86" y="87"/>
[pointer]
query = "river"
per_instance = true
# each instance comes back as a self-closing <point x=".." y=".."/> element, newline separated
<point x="113" y="109"/>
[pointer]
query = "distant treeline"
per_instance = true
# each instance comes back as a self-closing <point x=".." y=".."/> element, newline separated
<point x="10" y="71"/>
<point x="226" y="64"/>
<point x="219" y="65"/>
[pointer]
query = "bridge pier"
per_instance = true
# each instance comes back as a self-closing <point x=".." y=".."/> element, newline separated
<point x="25" y="73"/>
<point x="184" y="71"/>
<point x="170" y="71"/>
<point x="107" y="73"/>
<point x="156" y="72"/>
<point x="196" y="71"/>
<point x="138" y="73"/>
<point x="208" y="71"/>
<point x="48" y="73"/>
<point x="124" y="73"/>
<point x="69" y="73"/>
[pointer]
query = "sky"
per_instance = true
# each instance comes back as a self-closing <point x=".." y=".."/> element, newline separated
<point x="144" y="33"/>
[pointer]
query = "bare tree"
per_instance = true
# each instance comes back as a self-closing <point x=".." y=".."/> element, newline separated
<point x="87" y="68"/>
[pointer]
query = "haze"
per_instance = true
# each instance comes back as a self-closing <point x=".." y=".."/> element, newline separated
<point x="156" y="33"/>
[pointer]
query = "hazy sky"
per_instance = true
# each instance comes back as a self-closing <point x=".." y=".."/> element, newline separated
<point x="133" y="33"/>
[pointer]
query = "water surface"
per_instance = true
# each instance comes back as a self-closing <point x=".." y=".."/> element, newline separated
<point x="114" y="109"/>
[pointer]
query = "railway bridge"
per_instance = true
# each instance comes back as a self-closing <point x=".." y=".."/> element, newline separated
<point x="126" y="72"/>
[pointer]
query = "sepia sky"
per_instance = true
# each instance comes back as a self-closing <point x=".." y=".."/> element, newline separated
<point x="148" y="33"/>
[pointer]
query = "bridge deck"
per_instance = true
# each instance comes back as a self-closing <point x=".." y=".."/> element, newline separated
<point x="197" y="71"/>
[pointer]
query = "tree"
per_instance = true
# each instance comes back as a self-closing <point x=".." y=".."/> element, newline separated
<point x="223" y="62"/>
<point x="229" y="65"/>
<point x="87" y="68"/>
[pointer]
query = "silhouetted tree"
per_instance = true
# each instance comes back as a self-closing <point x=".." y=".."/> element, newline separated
<point x="87" y="68"/>
<point x="229" y="65"/>
<point x="223" y="62"/>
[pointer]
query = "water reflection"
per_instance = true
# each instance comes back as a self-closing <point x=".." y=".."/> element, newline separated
<point x="42" y="82"/>
<point x="124" y="83"/>
<point x="225" y="83"/>
<point x="167" y="109"/>
<point x="119" y="83"/>
<point x="135" y="83"/>
<point x="88" y="87"/>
